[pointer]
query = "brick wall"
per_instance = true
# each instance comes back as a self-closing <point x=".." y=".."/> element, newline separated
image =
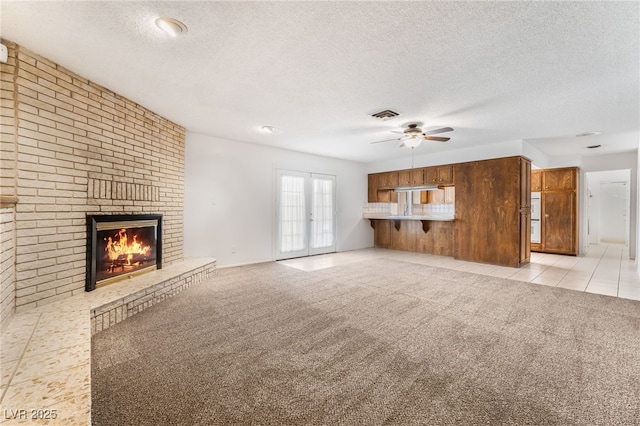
<point x="8" y="170"/>
<point x="83" y="149"/>
<point x="7" y="271"/>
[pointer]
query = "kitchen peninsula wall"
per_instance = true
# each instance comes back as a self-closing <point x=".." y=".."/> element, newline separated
<point x="492" y="212"/>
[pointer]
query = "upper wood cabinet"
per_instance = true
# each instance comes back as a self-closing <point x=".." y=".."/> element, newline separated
<point x="559" y="179"/>
<point x="379" y="193"/>
<point x="536" y="180"/>
<point x="372" y="196"/>
<point x="431" y="175"/>
<point x="441" y="175"/>
<point x="445" y="175"/>
<point x="387" y="180"/>
<point x="404" y="178"/>
<point x="417" y="177"/>
<point x="411" y="177"/>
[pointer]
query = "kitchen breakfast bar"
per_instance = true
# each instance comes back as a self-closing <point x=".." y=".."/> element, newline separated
<point x="488" y="221"/>
<point x="431" y="234"/>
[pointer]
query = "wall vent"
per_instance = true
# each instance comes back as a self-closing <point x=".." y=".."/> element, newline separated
<point x="385" y="115"/>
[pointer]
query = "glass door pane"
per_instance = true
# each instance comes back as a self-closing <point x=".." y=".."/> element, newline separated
<point x="322" y="214"/>
<point x="292" y="214"/>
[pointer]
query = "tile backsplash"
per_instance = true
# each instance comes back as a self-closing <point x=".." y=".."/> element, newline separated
<point x="434" y="208"/>
<point x="392" y="208"/>
<point x="380" y="208"/>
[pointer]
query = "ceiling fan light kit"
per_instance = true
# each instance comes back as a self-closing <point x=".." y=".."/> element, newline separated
<point x="412" y="142"/>
<point x="413" y="136"/>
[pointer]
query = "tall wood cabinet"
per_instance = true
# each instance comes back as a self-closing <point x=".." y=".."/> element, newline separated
<point x="558" y="210"/>
<point x="493" y="211"/>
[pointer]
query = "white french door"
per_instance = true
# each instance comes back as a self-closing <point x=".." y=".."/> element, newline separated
<point x="306" y="214"/>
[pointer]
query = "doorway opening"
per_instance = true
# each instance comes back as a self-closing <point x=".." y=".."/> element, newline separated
<point x="608" y="206"/>
<point x="306" y="214"/>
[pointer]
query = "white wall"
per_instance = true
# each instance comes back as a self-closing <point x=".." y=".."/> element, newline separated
<point x="230" y="198"/>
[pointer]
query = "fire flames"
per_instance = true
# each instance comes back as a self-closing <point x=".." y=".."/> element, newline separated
<point x="119" y="247"/>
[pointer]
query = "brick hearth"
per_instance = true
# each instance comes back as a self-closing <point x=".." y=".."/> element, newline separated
<point x="46" y="352"/>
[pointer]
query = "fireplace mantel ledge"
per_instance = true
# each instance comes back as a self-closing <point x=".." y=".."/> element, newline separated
<point x="46" y="351"/>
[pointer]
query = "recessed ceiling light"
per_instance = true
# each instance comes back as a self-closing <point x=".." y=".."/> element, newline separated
<point x="268" y="129"/>
<point x="588" y="134"/>
<point x="171" y="26"/>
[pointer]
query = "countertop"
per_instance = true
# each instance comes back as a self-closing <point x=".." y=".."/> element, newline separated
<point x="442" y="217"/>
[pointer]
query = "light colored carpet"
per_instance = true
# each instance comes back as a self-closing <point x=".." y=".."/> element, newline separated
<point x="376" y="342"/>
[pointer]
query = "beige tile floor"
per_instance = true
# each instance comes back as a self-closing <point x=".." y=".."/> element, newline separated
<point x="604" y="269"/>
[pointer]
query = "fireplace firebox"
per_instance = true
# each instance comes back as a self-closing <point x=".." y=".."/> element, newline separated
<point x="121" y="246"/>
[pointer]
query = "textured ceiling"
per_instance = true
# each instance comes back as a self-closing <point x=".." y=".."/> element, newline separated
<point x="494" y="71"/>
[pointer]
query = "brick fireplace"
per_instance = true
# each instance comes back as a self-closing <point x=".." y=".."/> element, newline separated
<point x="72" y="149"/>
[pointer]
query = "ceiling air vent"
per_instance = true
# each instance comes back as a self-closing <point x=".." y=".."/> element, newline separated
<point x="385" y="115"/>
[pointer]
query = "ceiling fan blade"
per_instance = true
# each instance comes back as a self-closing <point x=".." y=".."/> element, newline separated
<point x="436" y="138"/>
<point x="386" y="140"/>
<point x="436" y="131"/>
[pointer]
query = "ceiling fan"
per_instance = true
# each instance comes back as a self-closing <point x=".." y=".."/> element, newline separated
<point x="413" y="136"/>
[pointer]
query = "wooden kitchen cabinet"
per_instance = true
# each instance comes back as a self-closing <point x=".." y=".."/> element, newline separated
<point x="445" y="175"/>
<point x="380" y="187"/>
<point x="387" y="196"/>
<point x="411" y="177"/>
<point x="431" y="175"/>
<point x="491" y="211"/>
<point x="441" y="175"/>
<point x="450" y="195"/>
<point x="558" y="222"/>
<point x="410" y="235"/>
<point x="564" y="179"/>
<point x="372" y="194"/>
<point x="417" y="177"/>
<point x="387" y="180"/>
<point x="536" y="181"/>
<point x="382" y="234"/>
<point x="404" y="178"/>
<point x="446" y="195"/>
<point x="558" y="211"/>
